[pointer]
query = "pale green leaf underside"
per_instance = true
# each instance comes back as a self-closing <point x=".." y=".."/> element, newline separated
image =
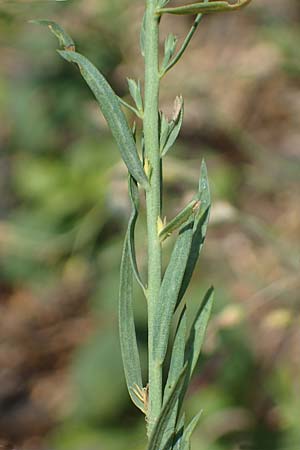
<point x="110" y="107"/>
<point x="204" y="8"/>
<point x="134" y="199"/>
<point x="108" y="102"/>
<point x="129" y="348"/>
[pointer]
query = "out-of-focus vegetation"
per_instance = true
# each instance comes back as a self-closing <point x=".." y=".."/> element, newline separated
<point x="64" y="209"/>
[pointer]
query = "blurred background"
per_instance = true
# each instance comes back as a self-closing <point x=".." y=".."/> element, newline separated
<point x="64" y="208"/>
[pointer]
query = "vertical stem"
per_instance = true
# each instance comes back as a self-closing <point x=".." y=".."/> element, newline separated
<point x="153" y="199"/>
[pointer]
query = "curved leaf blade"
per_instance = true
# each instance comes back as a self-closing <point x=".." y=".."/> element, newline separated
<point x="63" y="37"/>
<point x="205" y="8"/>
<point x="110" y="107"/>
<point x="134" y="199"/>
<point x="129" y="347"/>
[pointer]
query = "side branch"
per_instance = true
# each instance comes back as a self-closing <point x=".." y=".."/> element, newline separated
<point x="204" y="8"/>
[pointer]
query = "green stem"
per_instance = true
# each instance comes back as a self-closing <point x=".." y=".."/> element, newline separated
<point x="153" y="200"/>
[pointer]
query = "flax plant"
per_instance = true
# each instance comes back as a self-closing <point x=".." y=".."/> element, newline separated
<point x="160" y="401"/>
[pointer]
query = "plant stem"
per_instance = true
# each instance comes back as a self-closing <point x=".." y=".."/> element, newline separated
<point x="153" y="200"/>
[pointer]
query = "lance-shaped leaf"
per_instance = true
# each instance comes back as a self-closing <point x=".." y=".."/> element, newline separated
<point x="197" y="332"/>
<point x="204" y="8"/>
<point x="176" y="365"/>
<point x="178" y="352"/>
<point x="199" y="232"/>
<point x="196" y="338"/>
<point x="169" y="290"/>
<point x="129" y="348"/>
<point x="170" y="47"/>
<point x="110" y="107"/>
<point x="63" y="37"/>
<point x="162" y="424"/>
<point x="173" y="128"/>
<point x="136" y="93"/>
<point x="134" y="199"/>
<point x="186" y="439"/>
<point x="178" y="220"/>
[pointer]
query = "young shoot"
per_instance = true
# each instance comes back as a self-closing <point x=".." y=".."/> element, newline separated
<point x="160" y="401"/>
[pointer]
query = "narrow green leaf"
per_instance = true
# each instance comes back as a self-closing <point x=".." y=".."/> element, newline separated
<point x="110" y="107"/>
<point x="178" y="220"/>
<point x="199" y="232"/>
<point x="129" y="348"/>
<point x="204" y="8"/>
<point x="135" y="92"/>
<point x="186" y="439"/>
<point x="175" y="125"/>
<point x="169" y="290"/>
<point x="162" y="424"/>
<point x="176" y="365"/>
<point x="197" y="332"/>
<point x="63" y="37"/>
<point x="178" y="351"/>
<point x="170" y="47"/>
<point x="196" y="338"/>
<point x="177" y="441"/>
<point x="134" y="199"/>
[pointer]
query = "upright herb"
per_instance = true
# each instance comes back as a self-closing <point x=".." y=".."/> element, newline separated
<point x="160" y="402"/>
